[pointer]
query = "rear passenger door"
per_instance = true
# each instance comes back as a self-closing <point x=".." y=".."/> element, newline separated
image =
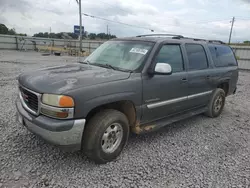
<point x="199" y="87"/>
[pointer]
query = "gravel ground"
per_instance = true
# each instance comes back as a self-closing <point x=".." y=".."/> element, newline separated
<point x="197" y="152"/>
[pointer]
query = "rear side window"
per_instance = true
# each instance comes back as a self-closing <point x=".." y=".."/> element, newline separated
<point x="171" y="54"/>
<point x="222" y="55"/>
<point x="196" y="56"/>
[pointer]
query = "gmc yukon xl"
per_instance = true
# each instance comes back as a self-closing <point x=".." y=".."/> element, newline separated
<point x="137" y="84"/>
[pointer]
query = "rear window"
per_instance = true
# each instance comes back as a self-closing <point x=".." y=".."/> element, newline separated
<point x="222" y="56"/>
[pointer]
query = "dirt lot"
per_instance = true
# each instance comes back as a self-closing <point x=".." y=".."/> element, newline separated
<point x="197" y="152"/>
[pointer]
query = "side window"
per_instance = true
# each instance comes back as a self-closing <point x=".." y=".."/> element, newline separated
<point x="171" y="54"/>
<point x="196" y="56"/>
<point x="222" y="55"/>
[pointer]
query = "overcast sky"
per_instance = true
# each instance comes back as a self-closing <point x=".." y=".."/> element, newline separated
<point x="208" y="19"/>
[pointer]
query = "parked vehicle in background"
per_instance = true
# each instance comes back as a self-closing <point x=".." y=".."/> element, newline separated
<point x="137" y="84"/>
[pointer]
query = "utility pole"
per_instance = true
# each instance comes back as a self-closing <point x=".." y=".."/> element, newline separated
<point x="230" y="35"/>
<point x="49" y="32"/>
<point x="80" y="20"/>
<point x="50" y="41"/>
<point x="108" y="31"/>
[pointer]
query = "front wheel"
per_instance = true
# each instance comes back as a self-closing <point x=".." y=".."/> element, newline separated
<point x="105" y="136"/>
<point x="216" y="103"/>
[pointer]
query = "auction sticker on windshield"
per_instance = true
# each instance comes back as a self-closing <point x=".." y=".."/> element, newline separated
<point x="138" y="51"/>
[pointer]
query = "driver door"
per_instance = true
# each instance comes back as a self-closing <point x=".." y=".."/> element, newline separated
<point x="164" y="95"/>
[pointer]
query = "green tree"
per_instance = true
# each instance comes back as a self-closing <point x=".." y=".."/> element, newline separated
<point x="12" y="32"/>
<point x="102" y="36"/>
<point x="46" y="35"/>
<point x="59" y="35"/>
<point x="40" y="34"/>
<point x="112" y="36"/>
<point x="52" y="35"/>
<point x="3" y="29"/>
<point x="92" y="36"/>
<point x="105" y="36"/>
<point x="22" y="34"/>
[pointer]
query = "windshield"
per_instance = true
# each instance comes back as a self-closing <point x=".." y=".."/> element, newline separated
<point x="124" y="55"/>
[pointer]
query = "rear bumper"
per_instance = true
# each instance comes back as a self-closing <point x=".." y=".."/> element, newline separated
<point x="64" y="133"/>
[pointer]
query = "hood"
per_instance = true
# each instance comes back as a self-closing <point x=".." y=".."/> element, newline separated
<point x="57" y="80"/>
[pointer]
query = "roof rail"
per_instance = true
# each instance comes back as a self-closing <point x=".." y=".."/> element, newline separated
<point x="167" y="35"/>
<point x="195" y="39"/>
<point x="210" y="41"/>
<point x="216" y="41"/>
<point x="174" y="36"/>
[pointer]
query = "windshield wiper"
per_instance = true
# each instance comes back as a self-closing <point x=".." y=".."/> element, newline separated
<point x="118" y="68"/>
<point x="111" y="67"/>
<point x="104" y="65"/>
<point x="85" y="62"/>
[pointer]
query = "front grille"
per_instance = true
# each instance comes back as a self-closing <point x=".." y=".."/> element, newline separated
<point x="29" y="98"/>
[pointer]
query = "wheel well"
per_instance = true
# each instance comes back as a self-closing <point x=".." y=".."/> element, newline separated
<point x="224" y="86"/>
<point x="126" y="107"/>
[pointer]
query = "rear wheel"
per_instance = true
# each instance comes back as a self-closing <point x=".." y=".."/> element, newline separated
<point x="216" y="103"/>
<point x="105" y="136"/>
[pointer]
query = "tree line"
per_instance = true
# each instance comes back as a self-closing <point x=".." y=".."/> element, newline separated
<point x="56" y="35"/>
<point x="64" y="35"/>
<point x="6" y="31"/>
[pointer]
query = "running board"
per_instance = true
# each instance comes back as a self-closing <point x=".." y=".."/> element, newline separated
<point x="155" y="125"/>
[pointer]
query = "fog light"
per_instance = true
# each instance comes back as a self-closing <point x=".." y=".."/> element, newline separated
<point x="54" y="114"/>
<point x="59" y="113"/>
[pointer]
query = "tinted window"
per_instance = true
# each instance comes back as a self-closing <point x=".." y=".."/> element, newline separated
<point x="222" y="55"/>
<point x="196" y="56"/>
<point x="172" y="55"/>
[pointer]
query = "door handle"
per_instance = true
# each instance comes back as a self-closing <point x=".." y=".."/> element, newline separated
<point x="184" y="80"/>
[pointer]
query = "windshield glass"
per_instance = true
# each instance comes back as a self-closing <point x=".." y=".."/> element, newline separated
<point x="126" y="55"/>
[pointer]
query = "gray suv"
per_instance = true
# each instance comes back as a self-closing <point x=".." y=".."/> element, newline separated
<point x="136" y="84"/>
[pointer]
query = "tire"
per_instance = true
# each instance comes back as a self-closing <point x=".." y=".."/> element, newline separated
<point x="216" y="103"/>
<point x="105" y="136"/>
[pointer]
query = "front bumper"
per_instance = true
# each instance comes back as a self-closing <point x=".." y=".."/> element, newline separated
<point x="235" y="90"/>
<point x="65" y="133"/>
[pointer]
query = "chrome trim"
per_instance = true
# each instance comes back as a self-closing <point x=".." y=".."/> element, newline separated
<point x="58" y="109"/>
<point x="199" y="94"/>
<point x="171" y="101"/>
<point x="25" y="105"/>
<point x="163" y="103"/>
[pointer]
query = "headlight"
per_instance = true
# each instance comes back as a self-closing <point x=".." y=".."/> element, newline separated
<point x="57" y="106"/>
<point x="58" y="100"/>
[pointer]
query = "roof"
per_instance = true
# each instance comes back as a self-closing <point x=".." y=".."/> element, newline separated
<point x="167" y="37"/>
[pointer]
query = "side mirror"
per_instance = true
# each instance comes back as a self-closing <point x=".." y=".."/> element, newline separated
<point x="163" y="68"/>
